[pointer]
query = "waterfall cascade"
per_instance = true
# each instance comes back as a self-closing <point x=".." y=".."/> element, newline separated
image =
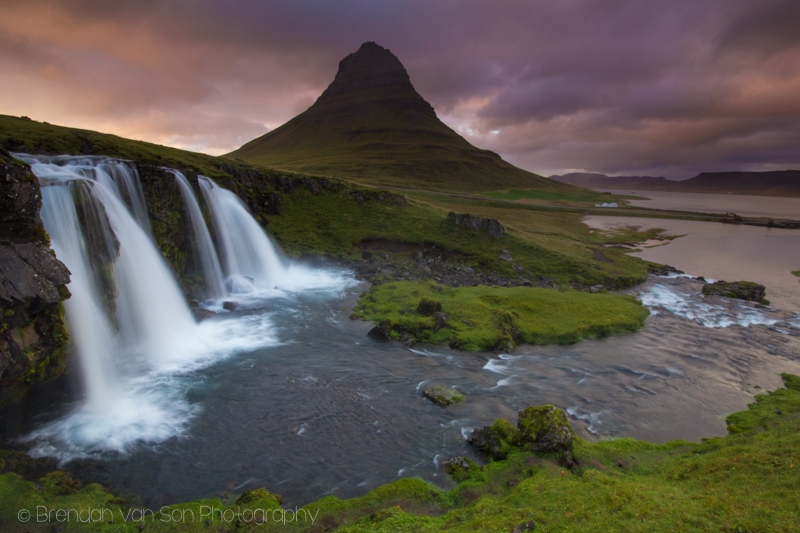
<point x="206" y="254"/>
<point x="130" y="324"/>
<point x="248" y="255"/>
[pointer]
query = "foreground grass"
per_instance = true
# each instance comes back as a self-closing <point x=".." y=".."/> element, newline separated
<point x="484" y="318"/>
<point x="746" y="482"/>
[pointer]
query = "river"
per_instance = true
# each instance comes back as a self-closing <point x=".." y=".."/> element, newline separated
<point x="324" y="409"/>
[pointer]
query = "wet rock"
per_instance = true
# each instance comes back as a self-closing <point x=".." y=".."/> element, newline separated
<point x="33" y="336"/>
<point x="382" y="331"/>
<point x="461" y="468"/>
<point x="443" y="396"/>
<point x="663" y="270"/>
<point x="495" y="441"/>
<point x="230" y="306"/>
<point x="545" y="428"/>
<point x="742" y="290"/>
<point x="201" y="313"/>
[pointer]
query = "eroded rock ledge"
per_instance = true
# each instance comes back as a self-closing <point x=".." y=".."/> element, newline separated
<point x="33" y="337"/>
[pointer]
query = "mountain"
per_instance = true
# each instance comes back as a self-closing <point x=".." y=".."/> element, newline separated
<point x="371" y="126"/>
<point x="772" y="183"/>
<point x="601" y="181"/>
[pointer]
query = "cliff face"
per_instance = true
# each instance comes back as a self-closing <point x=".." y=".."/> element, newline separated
<point x="33" y="337"/>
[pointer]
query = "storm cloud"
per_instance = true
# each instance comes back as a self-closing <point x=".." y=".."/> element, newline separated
<point x="612" y="86"/>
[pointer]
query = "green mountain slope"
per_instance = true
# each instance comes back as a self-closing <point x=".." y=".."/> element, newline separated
<point x="371" y="126"/>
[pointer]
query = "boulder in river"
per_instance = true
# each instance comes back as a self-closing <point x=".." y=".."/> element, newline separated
<point x="545" y="428"/>
<point x="443" y="396"/>
<point x="742" y="290"/>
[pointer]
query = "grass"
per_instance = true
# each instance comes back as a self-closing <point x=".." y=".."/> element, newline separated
<point x="484" y="318"/>
<point x="585" y="196"/>
<point x="745" y="482"/>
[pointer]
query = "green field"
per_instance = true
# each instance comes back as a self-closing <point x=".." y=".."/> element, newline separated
<point x="485" y="318"/>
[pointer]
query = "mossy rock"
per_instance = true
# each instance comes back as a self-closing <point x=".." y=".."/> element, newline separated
<point x="545" y="428"/>
<point x="443" y="396"/>
<point x="428" y="307"/>
<point x="261" y="498"/>
<point x="462" y="468"/>
<point x="740" y="290"/>
<point x="495" y="441"/>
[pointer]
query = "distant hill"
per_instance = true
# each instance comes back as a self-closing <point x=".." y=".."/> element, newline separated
<point x="772" y="183"/>
<point x="371" y="126"/>
<point x="601" y="181"/>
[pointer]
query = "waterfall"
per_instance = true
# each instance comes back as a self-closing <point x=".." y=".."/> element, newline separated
<point x="250" y="259"/>
<point x="204" y="250"/>
<point x="88" y="324"/>
<point x="136" y="341"/>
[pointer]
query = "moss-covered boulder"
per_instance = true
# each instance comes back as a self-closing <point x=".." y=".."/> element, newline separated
<point x="428" y="307"/>
<point x="259" y="498"/>
<point x="545" y="428"/>
<point x="443" y="396"/>
<point x="741" y="290"/>
<point x="461" y="468"/>
<point x="495" y="441"/>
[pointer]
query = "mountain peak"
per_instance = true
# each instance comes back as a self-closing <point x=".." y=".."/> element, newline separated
<point x="371" y="126"/>
<point x="373" y="73"/>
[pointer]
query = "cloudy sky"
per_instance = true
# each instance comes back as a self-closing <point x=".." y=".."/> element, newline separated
<point x="616" y="86"/>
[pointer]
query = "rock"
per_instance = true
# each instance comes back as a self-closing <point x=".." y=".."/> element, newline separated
<point x="742" y="290"/>
<point x="33" y="337"/>
<point x="495" y="441"/>
<point x="505" y="256"/>
<point x="201" y="313"/>
<point x="440" y="320"/>
<point x="428" y="307"/>
<point x="545" y="428"/>
<point x="443" y="396"/>
<point x="461" y="468"/>
<point x="475" y="223"/>
<point x="663" y="270"/>
<point x="382" y="331"/>
<point x="568" y="461"/>
<point x="230" y="306"/>
<point x="529" y="525"/>
<point x="596" y="288"/>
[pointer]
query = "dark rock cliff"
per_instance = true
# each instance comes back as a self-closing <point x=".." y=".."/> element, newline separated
<point x="33" y="338"/>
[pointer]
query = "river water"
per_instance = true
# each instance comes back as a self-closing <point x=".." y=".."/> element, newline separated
<point x="743" y="205"/>
<point x="328" y="410"/>
<point x="324" y="409"/>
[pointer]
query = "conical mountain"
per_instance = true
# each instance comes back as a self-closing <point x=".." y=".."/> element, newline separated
<point x="371" y="126"/>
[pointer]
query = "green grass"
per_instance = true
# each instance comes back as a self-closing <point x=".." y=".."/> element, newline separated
<point x="485" y="318"/>
<point x="748" y="481"/>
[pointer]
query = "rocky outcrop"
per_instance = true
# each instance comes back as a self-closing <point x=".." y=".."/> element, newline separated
<point x="741" y="290"/>
<point x="475" y="223"/>
<point x="545" y="428"/>
<point x="33" y="337"/>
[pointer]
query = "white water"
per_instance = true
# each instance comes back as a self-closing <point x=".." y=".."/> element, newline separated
<point x="88" y="324"/>
<point x="204" y="246"/>
<point x="137" y="363"/>
<point x="248" y="255"/>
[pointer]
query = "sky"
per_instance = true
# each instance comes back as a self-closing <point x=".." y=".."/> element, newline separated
<point x="623" y="87"/>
